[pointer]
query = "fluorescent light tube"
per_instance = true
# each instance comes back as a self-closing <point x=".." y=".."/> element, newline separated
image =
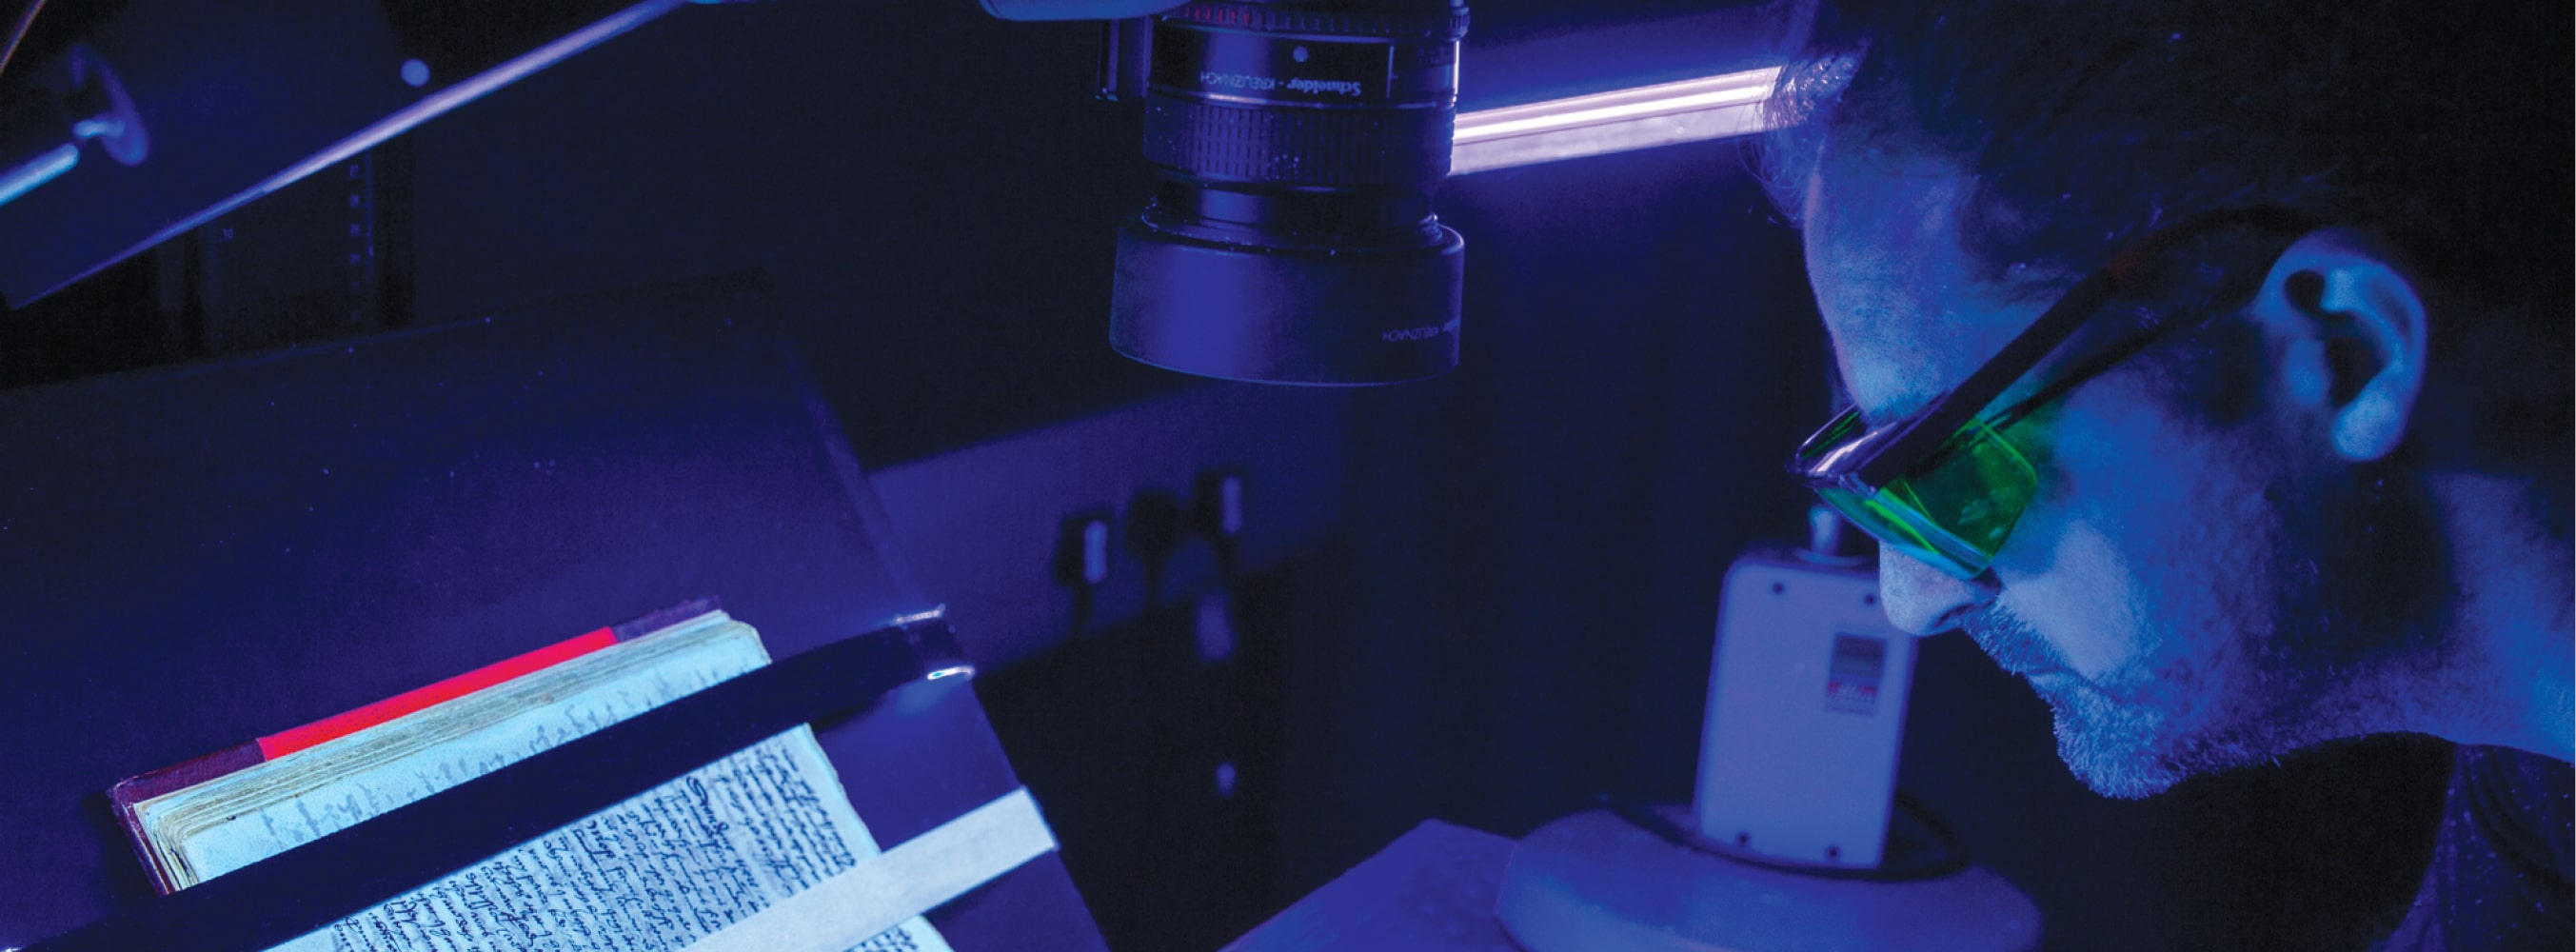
<point x="1691" y="110"/>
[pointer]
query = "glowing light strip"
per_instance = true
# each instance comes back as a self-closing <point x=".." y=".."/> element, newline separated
<point x="38" y="171"/>
<point x="933" y="614"/>
<point x="1617" y="121"/>
<point x="421" y="110"/>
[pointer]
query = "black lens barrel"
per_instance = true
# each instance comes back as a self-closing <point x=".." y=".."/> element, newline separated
<point x="1233" y="142"/>
<point x="1292" y="238"/>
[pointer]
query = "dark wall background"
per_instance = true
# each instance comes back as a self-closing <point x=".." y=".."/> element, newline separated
<point x="1511" y="613"/>
<point x="932" y="190"/>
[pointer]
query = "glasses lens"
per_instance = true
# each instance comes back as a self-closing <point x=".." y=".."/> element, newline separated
<point x="1955" y="510"/>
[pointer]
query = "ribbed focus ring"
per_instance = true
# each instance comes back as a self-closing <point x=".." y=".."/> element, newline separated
<point x="1222" y="141"/>
<point x="1424" y="24"/>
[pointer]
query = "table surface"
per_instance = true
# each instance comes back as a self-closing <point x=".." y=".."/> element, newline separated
<point x="1431" y="890"/>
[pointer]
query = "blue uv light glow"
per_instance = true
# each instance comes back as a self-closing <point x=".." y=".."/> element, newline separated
<point x="38" y="171"/>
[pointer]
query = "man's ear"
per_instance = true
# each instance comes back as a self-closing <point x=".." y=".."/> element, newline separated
<point x="2356" y="337"/>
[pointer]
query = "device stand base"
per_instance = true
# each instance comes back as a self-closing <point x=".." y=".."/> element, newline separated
<point x="1594" y="882"/>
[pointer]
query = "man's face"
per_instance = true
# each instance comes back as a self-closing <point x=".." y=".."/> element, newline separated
<point x="2162" y="591"/>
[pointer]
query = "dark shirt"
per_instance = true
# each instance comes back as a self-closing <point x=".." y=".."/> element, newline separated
<point x="2500" y="873"/>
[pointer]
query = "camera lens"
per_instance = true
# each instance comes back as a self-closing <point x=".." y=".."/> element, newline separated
<point x="1291" y="237"/>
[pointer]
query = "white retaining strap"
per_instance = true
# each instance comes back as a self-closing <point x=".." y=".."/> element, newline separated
<point x="886" y="890"/>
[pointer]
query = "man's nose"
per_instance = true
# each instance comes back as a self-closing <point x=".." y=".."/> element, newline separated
<point x="1924" y="600"/>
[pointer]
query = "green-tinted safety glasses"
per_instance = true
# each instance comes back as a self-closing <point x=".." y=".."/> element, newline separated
<point x="1943" y="486"/>
<point x="1952" y="512"/>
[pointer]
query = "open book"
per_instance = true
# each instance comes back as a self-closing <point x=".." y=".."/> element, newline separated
<point x="659" y="871"/>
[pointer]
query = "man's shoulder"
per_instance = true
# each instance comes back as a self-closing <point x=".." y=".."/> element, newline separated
<point x="2500" y="876"/>
<point x="2525" y="800"/>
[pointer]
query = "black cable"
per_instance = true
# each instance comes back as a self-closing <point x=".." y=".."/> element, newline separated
<point x="1153" y="525"/>
<point x="1908" y="858"/>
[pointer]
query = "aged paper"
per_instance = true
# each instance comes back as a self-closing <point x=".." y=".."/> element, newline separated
<point x="658" y="872"/>
<point x="283" y="804"/>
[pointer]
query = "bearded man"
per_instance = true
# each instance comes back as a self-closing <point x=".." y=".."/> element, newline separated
<point x="2209" y="365"/>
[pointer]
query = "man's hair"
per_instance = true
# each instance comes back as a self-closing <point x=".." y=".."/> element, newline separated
<point x="2445" y="129"/>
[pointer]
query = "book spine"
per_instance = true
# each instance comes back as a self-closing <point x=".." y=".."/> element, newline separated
<point x="350" y="722"/>
<point x="639" y="627"/>
<point x="133" y="790"/>
<point x="125" y="797"/>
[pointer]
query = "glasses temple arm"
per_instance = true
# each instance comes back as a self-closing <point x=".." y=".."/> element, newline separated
<point x="1957" y="407"/>
<point x="2086" y="371"/>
